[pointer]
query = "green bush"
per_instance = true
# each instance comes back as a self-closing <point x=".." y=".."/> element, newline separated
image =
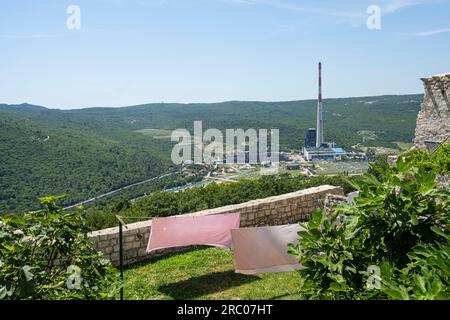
<point x="163" y="204"/>
<point x="46" y="254"/>
<point x="398" y="225"/>
<point x="427" y="276"/>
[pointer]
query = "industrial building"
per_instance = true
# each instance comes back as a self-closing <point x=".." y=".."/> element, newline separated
<point x="327" y="151"/>
<point x="310" y="140"/>
<point x="316" y="148"/>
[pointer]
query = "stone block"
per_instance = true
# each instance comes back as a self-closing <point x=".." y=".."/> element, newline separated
<point x="114" y="256"/>
<point x="141" y="252"/>
<point x="131" y="253"/>
<point x="108" y="250"/>
<point x="112" y="236"/>
<point x="138" y="237"/>
<point x="103" y="244"/>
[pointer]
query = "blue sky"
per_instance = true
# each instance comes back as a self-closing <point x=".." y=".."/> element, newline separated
<point x="140" y="51"/>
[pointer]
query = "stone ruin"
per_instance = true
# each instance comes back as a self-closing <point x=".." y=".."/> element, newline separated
<point x="433" y="121"/>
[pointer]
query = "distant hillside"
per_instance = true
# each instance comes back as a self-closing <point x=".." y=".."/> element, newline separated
<point x="90" y="151"/>
<point x="44" y="152"/>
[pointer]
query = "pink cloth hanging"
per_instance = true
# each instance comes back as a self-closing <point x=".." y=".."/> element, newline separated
<point x="181" y="231"/>
<point x="264" y="250"/>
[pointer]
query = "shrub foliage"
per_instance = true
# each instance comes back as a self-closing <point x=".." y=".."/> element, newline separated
<point x="392" y="242"/>
<point x="46" y="254"/>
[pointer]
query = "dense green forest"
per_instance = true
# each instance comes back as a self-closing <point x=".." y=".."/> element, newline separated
<point x="389" y="118"/>
<point x="42" y="155"/>
<point x="83" y="153"/>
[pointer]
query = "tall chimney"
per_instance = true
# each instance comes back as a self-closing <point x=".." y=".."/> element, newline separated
<point x="319" y="128"/>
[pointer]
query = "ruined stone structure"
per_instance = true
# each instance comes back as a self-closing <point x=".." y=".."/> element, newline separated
<point x="279" y="210"/>
<point x="433" y="121"/>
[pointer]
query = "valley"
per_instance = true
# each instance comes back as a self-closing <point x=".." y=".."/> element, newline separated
<point x="89" y="152"/>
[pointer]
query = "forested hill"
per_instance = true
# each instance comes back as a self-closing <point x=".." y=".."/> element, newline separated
<point x="86" y="152"/>
<point x="391" y="118"/>
<point x="46" y="152"/>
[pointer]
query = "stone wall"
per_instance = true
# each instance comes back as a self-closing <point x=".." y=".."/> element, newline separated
<point x="433" y="121"/>
<point x="279" y="210"/>
<point x="332" y="200"/>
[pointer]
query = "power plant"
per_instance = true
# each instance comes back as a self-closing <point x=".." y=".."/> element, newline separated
<point x="310" y="140"/>
<point x="316" y="148"/>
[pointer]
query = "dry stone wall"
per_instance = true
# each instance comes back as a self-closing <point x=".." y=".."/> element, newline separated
<point x="279" y="210"/>
<point x="433" y="121"/>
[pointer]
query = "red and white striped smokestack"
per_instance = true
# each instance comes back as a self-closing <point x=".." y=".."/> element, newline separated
<point x="320" y="81"/>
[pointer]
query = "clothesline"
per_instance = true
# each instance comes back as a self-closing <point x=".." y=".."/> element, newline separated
<point x="121" y="219"/>
<point x="143" y="218"/>
<point x="256" y="250"/>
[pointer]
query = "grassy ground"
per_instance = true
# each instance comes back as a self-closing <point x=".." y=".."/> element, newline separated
<point x="332" y="168"/>
<point x="205" y="273"/>
<point x="156" y="133"/>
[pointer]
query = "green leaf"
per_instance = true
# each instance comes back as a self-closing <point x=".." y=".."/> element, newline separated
<point x="414" y="221"/>
<point x="420" y="282"/>
<point x="27" y="271"/>
<point x="3" y="234"/>
<point x="440" y="232"/>
<point x="3" y="292"/>
<point x="316" y="219"/>
<point x="397" y="293"/>
<point x="338" y="287"/>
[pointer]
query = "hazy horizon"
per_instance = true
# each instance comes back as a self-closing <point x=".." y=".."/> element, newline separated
<point x="196" y="103"/>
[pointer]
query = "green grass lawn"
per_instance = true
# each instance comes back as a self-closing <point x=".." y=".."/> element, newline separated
<point x="204" y="273"/>
<point x="339" y="167"/>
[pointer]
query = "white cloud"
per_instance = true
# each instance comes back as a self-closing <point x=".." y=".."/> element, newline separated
<point x="431" y="32"/>
<point x="387" y="6"/>
<point x="336" y="11"/>
<point x="392" y="6"/>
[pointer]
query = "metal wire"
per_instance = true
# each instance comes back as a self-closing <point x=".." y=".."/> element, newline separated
<point x="440" y="145"/>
